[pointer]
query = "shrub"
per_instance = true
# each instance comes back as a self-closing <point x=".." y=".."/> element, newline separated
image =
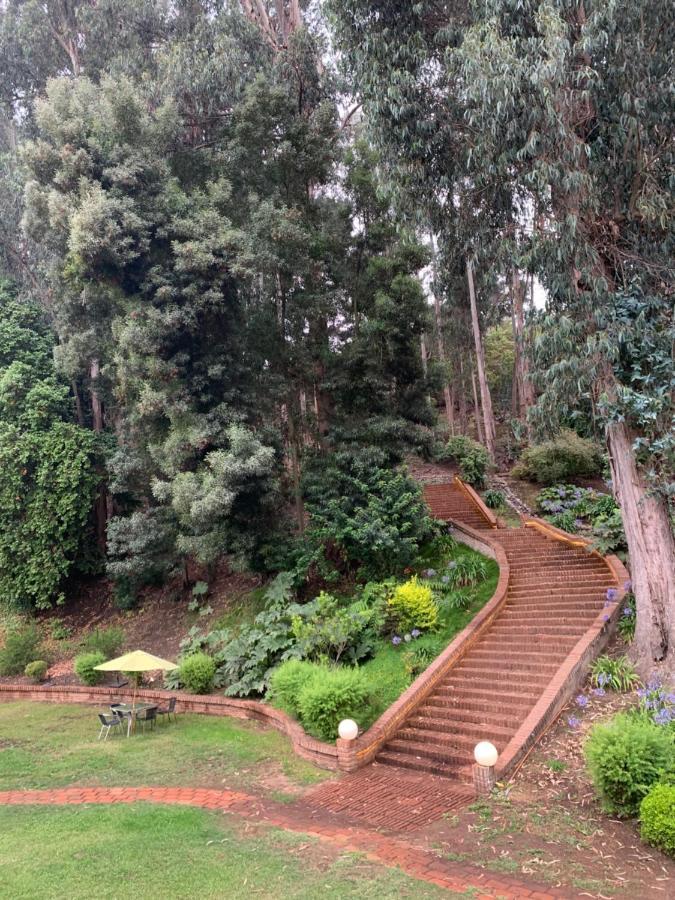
<point x="471" y="457"/>
<point x="197" y="673"/>
<point x="415" y="661"/>
<point x="566" y="521"/>
<point x="412" y="605"/>
<point x="330" y="696"/>
<point x="625" y="758"/>
<point x="21" y="647"/>
<point x="85" y="667"/>
<point x="125" y="593"/>
<point x="616" y="674"/>
<point x="494" y="499"/>
<point x="286" y="683"/>
<point x="325" y="630"/>
<point x="59" y="630"/>
<point x="566" y="456"/>
<point x="657" y="818"/>
<point x="104" y="640"/>
<point x="36" y="670"/>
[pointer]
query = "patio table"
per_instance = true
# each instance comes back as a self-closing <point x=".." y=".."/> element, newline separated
<point x="131" y="711"/>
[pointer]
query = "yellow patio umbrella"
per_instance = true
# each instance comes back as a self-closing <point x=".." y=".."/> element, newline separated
<point x="136" y="661"/>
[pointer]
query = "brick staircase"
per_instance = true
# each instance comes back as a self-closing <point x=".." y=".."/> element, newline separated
<point x="555" y="592"/>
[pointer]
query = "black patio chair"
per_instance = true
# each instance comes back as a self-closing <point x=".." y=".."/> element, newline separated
<point x="168" y="710"/>
<point x="108" y="723"/>
<point x="148" y="715"/>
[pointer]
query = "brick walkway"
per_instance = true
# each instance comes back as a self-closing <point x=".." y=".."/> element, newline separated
<point x="413" y="860"/>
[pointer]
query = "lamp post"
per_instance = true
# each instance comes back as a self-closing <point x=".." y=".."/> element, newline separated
<point x="486" y="756"/>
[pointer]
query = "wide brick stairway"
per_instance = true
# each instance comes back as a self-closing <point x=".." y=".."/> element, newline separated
<point x="555" y="591"/>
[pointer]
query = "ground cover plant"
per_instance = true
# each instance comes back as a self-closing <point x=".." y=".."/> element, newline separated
<point x="585" y="510"/>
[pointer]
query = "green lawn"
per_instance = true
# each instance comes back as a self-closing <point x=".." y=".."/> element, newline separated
<point x="49" y="745"/>
<point x="144" y="851"/>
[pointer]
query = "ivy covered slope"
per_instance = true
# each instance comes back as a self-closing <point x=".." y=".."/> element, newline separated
<point x="548" y="124"/>
<point x="48" y="464"/>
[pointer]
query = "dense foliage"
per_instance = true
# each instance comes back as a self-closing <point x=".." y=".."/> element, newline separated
<point x="47" y="464"/>
<point x="565" y="456"/>
<point x="657" y="818"/>
<point x="625" y="758"/>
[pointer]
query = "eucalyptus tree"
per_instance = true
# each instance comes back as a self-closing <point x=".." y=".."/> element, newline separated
<point x="569" y="105"/>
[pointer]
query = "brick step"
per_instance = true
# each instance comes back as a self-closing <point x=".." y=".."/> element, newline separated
<point x="461" y="774"/>
<point x="508" y="694"/>
<point x="521" y="644"/>
<point x="452" y="726"/>
<point x="494" y="706"/>
<point x="543" y="626"/>
<point x="518" y="677"/>
<point x="508" y="664"/>
<point x="531" y="653"/>
<point x="557" y="551"/>
<point x="543" y="590"/>
<point x="454" y="756"/>
<point x="547" y="607"/>
<point x="515" y="615"/>
<point x="564" y="575"/>
<point x="533" y="561"/>
<point x="471" y="717"/>
<point x="530" y="677"/>
<point x="467" y="681"/>
<point x="458" y="745"/>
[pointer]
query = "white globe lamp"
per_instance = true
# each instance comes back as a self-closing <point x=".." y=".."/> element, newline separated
<point x="485" y="754"/>
<point x="348" y="729"/>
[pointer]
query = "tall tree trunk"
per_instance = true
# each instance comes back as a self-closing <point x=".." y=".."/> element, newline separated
<point x="293" y="441"/>
<point x="102" y="503"/>
<point x="477" y="410"/>
<point x="523" y="388"/>
<point x="463" y="417"/>
<point x="423" y="352"/>
<point x="486" y="399"/>
<point x="449" y="406"/>
<point x="78" y="403"/>
<point x="651" y="547"/>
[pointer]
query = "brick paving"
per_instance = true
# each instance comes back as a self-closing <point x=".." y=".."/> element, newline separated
<point x="415" y="861"/>
<point x="392" y="799"/>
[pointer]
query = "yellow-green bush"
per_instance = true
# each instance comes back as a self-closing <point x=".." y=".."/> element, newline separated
<point x="412" y="605"/>
<point x="657" y="815"/>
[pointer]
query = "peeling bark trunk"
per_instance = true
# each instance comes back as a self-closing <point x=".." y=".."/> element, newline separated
<point x="523" y="389"/>
<point x="486" y="399"/>
<point x="449" y="406"/>
<point x="477" y="410"/>
<point x="463" y="416"/>
<point x="651" y="546"/>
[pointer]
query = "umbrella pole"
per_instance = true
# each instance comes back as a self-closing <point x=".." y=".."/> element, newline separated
<point x="133" y="705"/>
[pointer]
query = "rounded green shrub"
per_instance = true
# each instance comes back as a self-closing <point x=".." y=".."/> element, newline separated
<point x="197" y="672"/>
<point x="85" y="667"/>
<point x="330" y="696"/>
<point x="287" y="681"/>
<point x="21" y="647"/>
<point x="566" y="456"/>
<point x="625" y="758"/>
<point x="36" y="670"/>
<point x="412" y="605"/>
<point x="471" y="457"/>
<point x="657" y="817"/>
